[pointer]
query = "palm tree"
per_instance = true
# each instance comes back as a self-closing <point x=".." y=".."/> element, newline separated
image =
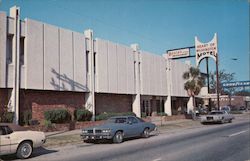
<point x="194" y="82"/>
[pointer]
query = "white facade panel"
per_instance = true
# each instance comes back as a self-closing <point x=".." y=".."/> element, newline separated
<point x="34" y="55"/>
<point x="66" y="60"/>
<point x="153" y="75"/>
<point x="102" y="66"/>
<point x="51" y="58"/>
<point x="177" y="70"/>
<point x="10" y="22"/>
<point x="112" y="67"/>
<point x="80" y="71"/>
<point x="3" y="42"/>
<point x="122" y="70"/>
<point x="130" y="71"/>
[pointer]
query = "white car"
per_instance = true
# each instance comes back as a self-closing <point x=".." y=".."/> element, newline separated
<point x="17" y="140"/>
<point x="217" y="117"/>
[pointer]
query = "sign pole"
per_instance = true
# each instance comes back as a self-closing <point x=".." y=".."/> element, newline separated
<point x="217" y="82"/>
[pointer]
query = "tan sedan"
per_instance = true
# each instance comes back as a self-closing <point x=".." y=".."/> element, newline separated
<point x="17" y="140"/>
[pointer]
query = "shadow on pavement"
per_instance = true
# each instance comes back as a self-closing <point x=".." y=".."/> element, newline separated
<point x="37" y="152"/>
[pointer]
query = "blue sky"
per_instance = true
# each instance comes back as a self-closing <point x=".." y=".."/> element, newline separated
<point x="156" y="25"/>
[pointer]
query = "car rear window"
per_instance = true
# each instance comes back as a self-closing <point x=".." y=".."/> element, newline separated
<point x="117" y="120"/>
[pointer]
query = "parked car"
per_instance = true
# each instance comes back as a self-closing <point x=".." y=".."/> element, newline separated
<point x="17" y="140"/>
<point x="117" y="128"/>
<point x="217" y="117"/>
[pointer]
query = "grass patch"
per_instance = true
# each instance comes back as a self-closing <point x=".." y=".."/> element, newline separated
<point x="62" y="140"/>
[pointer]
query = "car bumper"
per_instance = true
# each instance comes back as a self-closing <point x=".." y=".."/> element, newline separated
<point x="95" y="137"/>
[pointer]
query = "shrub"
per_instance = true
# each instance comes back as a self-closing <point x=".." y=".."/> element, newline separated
<point x="57" y="116"/>
<point x="48" y="124"/>
<point x="105" y="115"/>
<point x="143" y="115"/>
<point x="7" y="117"/>
<point x="83" y="115"/>
<point x="26" y="116"/>
<point x="162" y="114"/>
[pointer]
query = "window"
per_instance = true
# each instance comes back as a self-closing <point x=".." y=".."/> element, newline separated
<point x="21" y="51"/>
<point x="87" y="61"/>
<point x="9" y="48"/>
<point x="132" y="120"/>
<point x="5" y="130"/>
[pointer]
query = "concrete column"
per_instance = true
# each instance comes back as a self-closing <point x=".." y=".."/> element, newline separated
<point x="90" y="96"/>
<point x="167" y="103"/>
<point x="190" y="106"/>
<point x="167" y="106"/>
<point x="15" y="14"/>
<point x="136" y="106"/>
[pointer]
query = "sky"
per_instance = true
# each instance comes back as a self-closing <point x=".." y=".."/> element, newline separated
<point x="156" y="25"/>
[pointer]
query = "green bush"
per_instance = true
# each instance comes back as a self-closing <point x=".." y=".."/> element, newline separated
<point x="57" y="116"/>
<point x="236" y="112"/>
<point x="26" y="116"/>
<point x="83" y="115"/>
<point x="162" y="114"/>
<point x="7" y="117"/>
<point x="105" y="115"/>
<point x="143" y="115"/>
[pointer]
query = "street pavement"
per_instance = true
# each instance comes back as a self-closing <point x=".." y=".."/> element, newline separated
<point x="215" y="142"/>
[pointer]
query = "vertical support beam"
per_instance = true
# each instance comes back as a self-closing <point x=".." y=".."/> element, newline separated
<point x="217" y="82"/>
<point x="15" y="13"/>
<point x="167" y="106"/>
<point x="190" y="105"/>
<point x="168" y="101"/>
<point x="90" y="97"/>
<point x="136" y="106"/>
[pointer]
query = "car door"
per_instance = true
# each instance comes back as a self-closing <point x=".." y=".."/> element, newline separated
<point x="5" y="142"/>
<point x="135" y="127"/>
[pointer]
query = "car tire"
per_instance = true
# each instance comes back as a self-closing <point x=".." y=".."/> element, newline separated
<point x="118" y="137"/>
<point x="145" y="133"/>
<point x="24" y="150"/>
<point x="230" y="121"/>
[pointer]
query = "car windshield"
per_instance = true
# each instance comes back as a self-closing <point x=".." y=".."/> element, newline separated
<point x="117" y="120"/>
<point x="216" y="113"/>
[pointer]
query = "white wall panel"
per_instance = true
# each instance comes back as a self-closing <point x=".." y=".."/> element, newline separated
<point x="51" y="58"/>
<point x="3" y="42"/>
<point x="66" y="60"/>
<point x="112" y="67"/>
<point x="122" y="70"/>
<point x="102" y="66"/>
<point x="80" y="71"/>
<point x="34" y="55"/>
<point x="178" y="68"/>
<point x="130" y="71"/>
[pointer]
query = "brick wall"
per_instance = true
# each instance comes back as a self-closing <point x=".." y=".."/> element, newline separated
<point x="113" y="103"/>
<point x="4" y="99"/>
<point x="40" y="101"/>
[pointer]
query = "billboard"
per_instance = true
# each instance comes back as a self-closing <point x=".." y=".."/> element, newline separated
<point x="179" y="53"/>
<point x="204" y="50"/>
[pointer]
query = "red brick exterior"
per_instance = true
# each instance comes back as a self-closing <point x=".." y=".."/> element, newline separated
<point x="113" y="103"/>
<point x="4" y="94"/>
<point x="40" y="101"/>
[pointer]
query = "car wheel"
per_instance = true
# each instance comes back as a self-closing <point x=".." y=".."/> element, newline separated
<point x="24" y="150"/>
<point x="118" y="138"/>
<point x="230" y="121"/>
<point x="145" y="133"/>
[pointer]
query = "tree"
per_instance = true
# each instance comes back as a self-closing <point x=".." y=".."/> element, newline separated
<point x="194" y="82"/>
<point x="223" y="77"/>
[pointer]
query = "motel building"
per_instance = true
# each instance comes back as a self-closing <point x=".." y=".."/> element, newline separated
<point x="44" y="67"/>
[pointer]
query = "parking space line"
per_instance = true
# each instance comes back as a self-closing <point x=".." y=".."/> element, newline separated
<point x="238" y="133"/>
